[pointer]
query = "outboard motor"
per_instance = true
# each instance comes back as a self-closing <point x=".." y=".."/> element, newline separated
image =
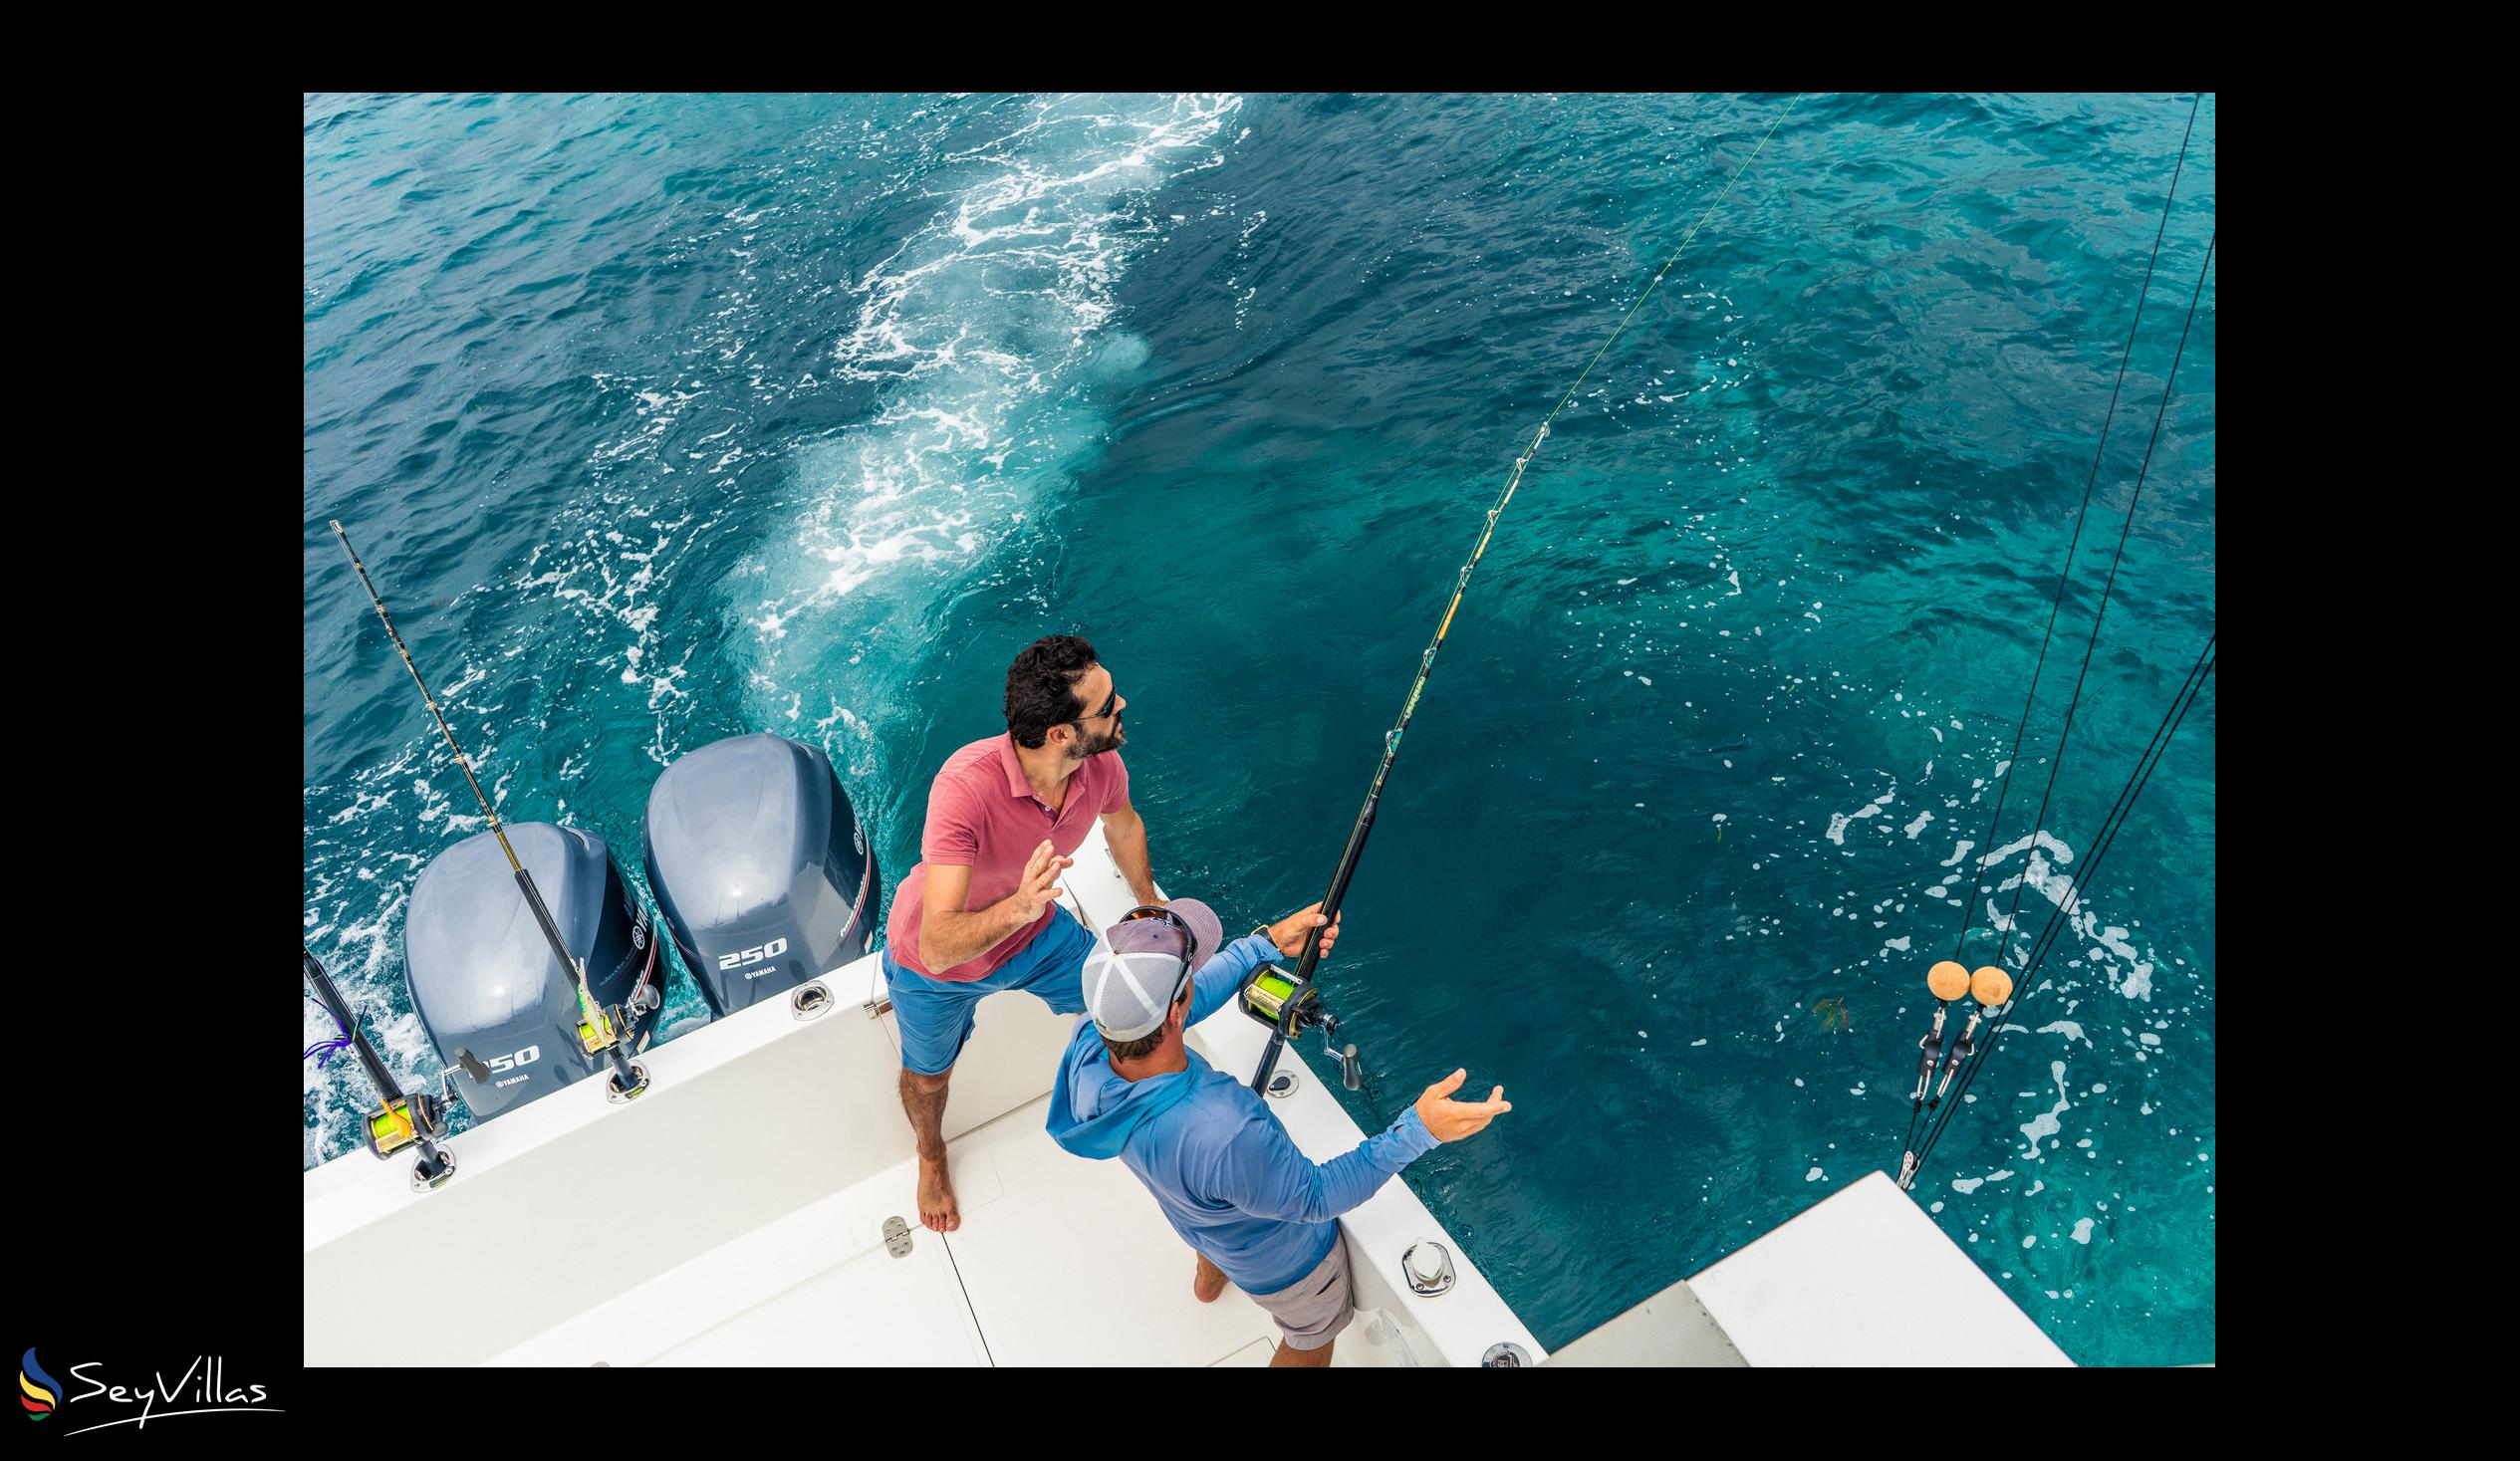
<point x="484" y="980"/>
<point x="760" y="868"/>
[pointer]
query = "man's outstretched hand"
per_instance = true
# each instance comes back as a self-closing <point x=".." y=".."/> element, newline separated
<point x="1450" y="1120"/>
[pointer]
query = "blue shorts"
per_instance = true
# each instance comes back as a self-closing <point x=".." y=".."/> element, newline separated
<point x="934" y="1015"/>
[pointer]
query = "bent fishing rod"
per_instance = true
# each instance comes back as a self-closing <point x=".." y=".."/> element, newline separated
<point x="1287" y="1000"/>
<point x="598" y="1030"/>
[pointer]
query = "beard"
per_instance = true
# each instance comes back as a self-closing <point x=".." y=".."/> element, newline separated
<point x="1109" y="740"/>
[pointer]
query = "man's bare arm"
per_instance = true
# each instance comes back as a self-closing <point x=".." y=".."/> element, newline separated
<point x="948" y="935"/>
<point x="1125" y="832"/>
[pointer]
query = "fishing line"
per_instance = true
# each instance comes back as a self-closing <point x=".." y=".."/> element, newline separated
<point x="2061" y="917"/>
<point x="2065" y="731"/>
<point x="1286" y="1002"/>
<point x="1968" y="907"/>
<point x="2144" y="760"/>
<point x="1919" y="1108"/>
<point x="322" y="1050"/>
<point x="2189" y="689"/>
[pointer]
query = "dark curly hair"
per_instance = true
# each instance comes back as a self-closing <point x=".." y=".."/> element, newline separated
<point x="1041" y="687"/>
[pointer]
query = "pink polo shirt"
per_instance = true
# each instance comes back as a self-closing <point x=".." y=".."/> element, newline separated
<point x="982" y="815"/>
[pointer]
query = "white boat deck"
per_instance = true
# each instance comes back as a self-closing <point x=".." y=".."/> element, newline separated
<point x="735" y="1214"/>
<point x="1058" y="1261"/>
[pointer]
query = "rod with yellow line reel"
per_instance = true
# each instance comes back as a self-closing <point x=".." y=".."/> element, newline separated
<point x="417" y="1119"/>
<point x="1285" y="999"/>
<point x="600" y="1031"/>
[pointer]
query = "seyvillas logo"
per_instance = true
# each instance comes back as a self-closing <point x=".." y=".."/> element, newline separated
<point x="36" y="1390"/>
<point x="202" y="1388"/>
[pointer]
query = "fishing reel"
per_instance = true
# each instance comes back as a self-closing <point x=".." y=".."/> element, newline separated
<point x="598" y="1035"/>
<point x="403" y="1122"/>
<point x="415" y="1120"/>
<point x="604" y="1028"/>
<point x="1290" y="1006"/>
<point x="605" y="1033"/>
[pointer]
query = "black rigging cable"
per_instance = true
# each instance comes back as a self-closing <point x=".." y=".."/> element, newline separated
<point x="1919" y="1108"/>
<point x="2063" y="914"/>
<point x="2065" y="575"/>
<point x="2144" y="772"/>
<point x="2012" y="916"/>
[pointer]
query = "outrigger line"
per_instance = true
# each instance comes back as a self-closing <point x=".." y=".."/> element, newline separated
<point x="1919" y="1107"/>
<point x="1968" y="906"/>
<point x="1288" y="1002"/>
<point x="2061" y="917"/>
<point x="599" y="1031"/>
<point x="1919" y="1111"/>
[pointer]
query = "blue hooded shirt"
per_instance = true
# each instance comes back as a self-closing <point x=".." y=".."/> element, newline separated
<point x="1231" y="1180"/>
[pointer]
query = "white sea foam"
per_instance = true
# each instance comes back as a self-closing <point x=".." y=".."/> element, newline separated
<point x="2046" y="1125"/>
<point x="984" y="334"/>
<point x="1840" y="821"/>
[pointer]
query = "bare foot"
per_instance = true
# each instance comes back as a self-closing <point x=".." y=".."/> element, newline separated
<point x="936" y="1206"/>
<point x="1208" y="1282"/>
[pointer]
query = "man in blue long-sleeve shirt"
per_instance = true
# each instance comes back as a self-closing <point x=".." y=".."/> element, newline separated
<point x="1229" y="1180"/>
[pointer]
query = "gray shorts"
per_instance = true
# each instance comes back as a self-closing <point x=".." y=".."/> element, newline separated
<point x="1315" y="1308"/>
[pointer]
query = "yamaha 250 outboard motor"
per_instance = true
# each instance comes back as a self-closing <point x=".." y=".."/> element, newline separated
<point x="486" y="982"/>
<point x="760" y="868"/>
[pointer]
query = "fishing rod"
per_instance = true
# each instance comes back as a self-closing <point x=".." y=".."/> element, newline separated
<point x="403" y="1121"/>
<point x="1992" y="977"/>
<point x="2061" y="915"/>
<point x="1287" y="1000"/>
<point x="598" y="1030"/>
<point x="1947" y="981"/>
<point x="1989" y="987"/>
<point x="2154" y="749"/>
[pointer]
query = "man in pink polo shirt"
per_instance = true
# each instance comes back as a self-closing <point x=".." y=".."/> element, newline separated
<point x="980" y="912"/>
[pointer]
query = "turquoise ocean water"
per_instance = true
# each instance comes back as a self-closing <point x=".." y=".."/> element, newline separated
<point x="660" y="419"/>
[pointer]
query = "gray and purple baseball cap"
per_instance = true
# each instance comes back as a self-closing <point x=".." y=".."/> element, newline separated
<point x="1130" y="985"/>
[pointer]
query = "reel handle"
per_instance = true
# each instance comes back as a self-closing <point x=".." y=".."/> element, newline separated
<point x="1351" y="1073"/>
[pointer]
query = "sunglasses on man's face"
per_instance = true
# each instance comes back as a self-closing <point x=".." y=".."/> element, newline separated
<point x="1104" y="713"/>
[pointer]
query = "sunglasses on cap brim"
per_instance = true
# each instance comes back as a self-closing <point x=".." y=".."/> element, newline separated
<point x="1189" y="936"/>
